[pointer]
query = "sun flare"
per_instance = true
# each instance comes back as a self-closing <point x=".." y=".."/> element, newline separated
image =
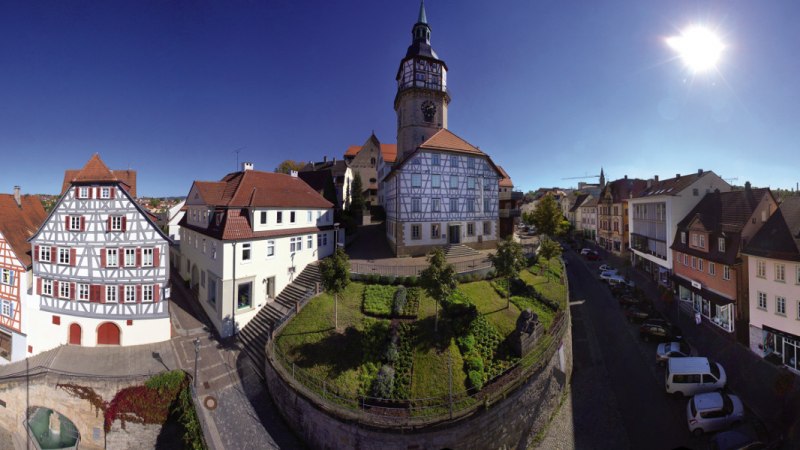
<point x="698" y="47"/>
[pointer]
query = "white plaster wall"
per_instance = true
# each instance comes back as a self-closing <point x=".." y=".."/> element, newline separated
<point x="789" y="289"/>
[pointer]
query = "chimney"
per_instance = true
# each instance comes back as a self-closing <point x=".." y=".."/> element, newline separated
<point x="655" y="177"/>
<point x="649" y="183"/>
<point x="17" y="197"/>
<point x="626" y="177"/>
<point x="747" y="186"/>
<point x="324" y="159"/>
<point x="293" y="173"/>
<point x="677" y="176"/>
<point x="334" y="160"/>
<point x="247" y="166"/>
<point x="699" y="172"/>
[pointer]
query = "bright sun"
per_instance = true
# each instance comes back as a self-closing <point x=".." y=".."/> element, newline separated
<point x="699" y="48"/>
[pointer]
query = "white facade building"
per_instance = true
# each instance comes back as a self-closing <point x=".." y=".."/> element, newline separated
<point x="245" y="238"/>
<point x="654" y="215"/>
<point x="100" y="265"/>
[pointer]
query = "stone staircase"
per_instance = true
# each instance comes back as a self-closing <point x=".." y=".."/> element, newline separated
<point x="459" y="251"/>
<point x="254" y="336"/>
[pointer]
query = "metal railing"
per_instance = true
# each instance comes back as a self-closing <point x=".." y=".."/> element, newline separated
<point x="367" y="268"/>
<point x="309" y="294"/>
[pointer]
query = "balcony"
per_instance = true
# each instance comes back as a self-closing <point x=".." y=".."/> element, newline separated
<point x="118" y="311"/>
<point x="507" y="213"/>
<point x="513" y="195"/>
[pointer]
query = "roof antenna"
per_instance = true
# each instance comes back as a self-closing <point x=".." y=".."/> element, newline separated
<point x="237" y="157"/>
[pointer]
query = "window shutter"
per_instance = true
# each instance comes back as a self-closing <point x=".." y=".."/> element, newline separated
<point x="39" y="286"/>
<point x="103" y="263"/>
<point x="103" y="292"/>
<point x="121" y="257"/>
<point x="66" y="223"/>
<point x="94" y="293"/>
<point x="36" y="253"/>
<point x="83" y="223"/>
<point x="121" y="294"/>
<point x="155" y="257"/>
<point x="53" y="255"/>
<point x="55" y="289"/>
<point x="113" y="192"/>
<point x="72" y="291"/>
<point x="124" y="223"/>
<point x="72" y="258"/>
<point x="11" y="277"/>
<point x="156" y="293"/>
<point x="138" y="257"/>
<point x="139" y="294"/>
<point x="91" y="192"/>
<point x="108" y="224"/>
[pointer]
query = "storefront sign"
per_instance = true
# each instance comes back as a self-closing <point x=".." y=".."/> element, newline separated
<point x="697" y="285"/>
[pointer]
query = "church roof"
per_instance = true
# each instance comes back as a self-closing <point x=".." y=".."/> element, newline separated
<point x="96" y="171"/>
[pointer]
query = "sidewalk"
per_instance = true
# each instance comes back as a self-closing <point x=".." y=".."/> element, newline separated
<point x="749" y="376"/>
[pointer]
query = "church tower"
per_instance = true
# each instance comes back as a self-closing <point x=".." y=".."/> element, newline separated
<point x="422" y="98"/>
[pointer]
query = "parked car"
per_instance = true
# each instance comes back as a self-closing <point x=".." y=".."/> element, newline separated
<point x="585" y="251"/>
<point x="713" y="411"/>
<point x="607" y="274"/>
<point x="637" y="313"/>
<point x="693" y="375"/>
<point x="593" y="256"/>
<point x="621" y="289"/>
<point x="628" y="299"/>
<point x="619" y="279"/>
<point x="672" y="350"/>
<point x="736" y="439"/>
<point x="606" y="267"/>
<point x="659" y="330"/>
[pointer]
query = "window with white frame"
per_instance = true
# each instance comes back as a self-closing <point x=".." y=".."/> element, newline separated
<point x="295" y="244"/>
<point x="470" y="182"/>
<point x="416" y="180"/>
<point x="416" y="231"/>
<point x="435" y="161"/>
<point x="105" y="192"/>
<point x="726" y="272"/>
<point x="291" y="217"/>
<point x="310" y="241"/>
<point x="116" y="223"/>
<point x="147" y="293"/>
<point x="416" y="204"/>
<point x="213" y="250"/>
<point x="470" y="204"/>
<point x="47" y="288"/>
<point x="470" y="163"/>
<point x="63" y="290"/>
<point x="270" y="249"/>
<point x="83" y="292"/>
<point x="322" y="240"/>
<point x="762" y="301"/>
<point x="63" y="256"/>
<point x="780" y="272"/>
<point x="694" y="262"/>
<point x="453" y="182"/>
<point x="6" y="276"/>
<point x="309" y="216"/>
<point x="436" y="181"/>
<point x="780" y="305"/>
<point x="44" y="253"/>
<point x="761" y="268"/>
<point x="130" y="294"/>
<point x="111" y="294"/>
<point x="263" y="217"/>
<point x="453" y="161"/>
<point x="75" y="223"/>
<point x="712" y="269"/>
<point x="702" y="240"/>
<point x="700" y="264"/>
<point x="721" y="244"/>
<point x="279" y="217"/>
<point x="6" y="310"/>
<point x="453" y="205"/>
<point x="487" y="228"/>
<point x="83" y="192"/>
<point x="436" y="204"/>
<point x="147" y="256"/>
<point x="470" y="229"/>
<point x="246" y="252"/>
<point x="435" y="231"/>
<point x="112" y="257"/>
<point x="130" y="257"/>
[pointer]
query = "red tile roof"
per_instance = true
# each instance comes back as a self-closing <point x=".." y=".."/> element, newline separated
<point x="260" y="189"/>
<point x="445" y="139"/>
<point x="95" y="170"/>
<point x="352" y="150"/>
<point x="673" y="186"/>
<point x="505" y="180"/>
<point x="20" y="223"/>
<point x="624" y="188"/>
<point x="389" y="152"/>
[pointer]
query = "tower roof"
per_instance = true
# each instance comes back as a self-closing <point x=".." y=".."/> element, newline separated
<point x="422" y="17"/>
<point x="96" y="171"/>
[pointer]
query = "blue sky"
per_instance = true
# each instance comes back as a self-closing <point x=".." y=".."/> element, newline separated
<point x="550" y="89"/>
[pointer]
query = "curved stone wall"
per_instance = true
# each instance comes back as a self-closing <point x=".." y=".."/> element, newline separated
<point x="509" y="423"/>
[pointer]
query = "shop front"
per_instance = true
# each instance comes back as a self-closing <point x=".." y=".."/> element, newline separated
<point x="715" y="308"/>
<point x="782" y="346"/>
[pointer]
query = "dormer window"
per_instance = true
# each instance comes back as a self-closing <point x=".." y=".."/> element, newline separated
<point x="83" y="192"/>
<point x="105" y="192"/>
<point x="683" y="237"/>
<point x="721" y="244"/>
<point x="263" y="217"/>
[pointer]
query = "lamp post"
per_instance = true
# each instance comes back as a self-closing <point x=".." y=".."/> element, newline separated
<point x="336" y="235"/>
<point x="196" y="355"/>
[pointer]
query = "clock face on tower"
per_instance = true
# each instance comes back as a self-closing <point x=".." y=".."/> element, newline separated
<point x="428" y="110"/>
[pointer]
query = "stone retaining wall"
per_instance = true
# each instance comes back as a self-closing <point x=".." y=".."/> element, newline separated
<point x="509" y="423"/>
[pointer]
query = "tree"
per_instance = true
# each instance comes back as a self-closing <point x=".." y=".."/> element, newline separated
<point x="289" y="165"/>
<point x="439" y="280"/>
<point x="335" y="271"/>
<point x="548" y="248"/>
<point x="547" y="217"/>
<point x="508" y="261"/>
<point x="356" y="195"/>
<point x="154" y="202"/>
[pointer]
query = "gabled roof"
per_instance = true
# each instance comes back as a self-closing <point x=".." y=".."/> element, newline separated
<point x="779" y="238"/>
<point x="336" y="168"/>
<point x="18" y="223"/>
<point x="590" y="202"/>
<point x="235" y="224"/>
<point x="317" y="179"/>
<point x="624" y="188"/>
<point x="389" y="152"/>
<point x="96" y="171"/>
<point x="505" y="180"/>
<point x="722" y="214"/>
<point x="579" y="199"/>
<point x="445" y="139"/>
<point x="672" y="186"/>
<point x="253" y="188"/>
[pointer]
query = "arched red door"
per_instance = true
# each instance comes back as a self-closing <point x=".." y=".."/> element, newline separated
<point x="108" y="334"/>
<point x="75" y="334"/>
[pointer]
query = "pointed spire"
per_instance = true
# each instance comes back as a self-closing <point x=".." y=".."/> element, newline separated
<point x="422" y="17"/>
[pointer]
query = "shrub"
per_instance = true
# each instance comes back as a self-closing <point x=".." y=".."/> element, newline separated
<point x="475" y="379"/>
<point x="374" y="339"/>
<point x="474" y="362"/>
<point x="466" y="343"/>
<point x="411" y="281"/>
<point x="399" y="303"/>
<point x="378" y="299"/>
<point x="491" y="274"/>
<point x="391" y="354"/>
<point x="383" y="385"/>
<point x="385" y="279"/>
<point x="366" y="377"/>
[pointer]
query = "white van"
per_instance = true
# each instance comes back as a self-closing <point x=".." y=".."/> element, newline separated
<point x="693" y="375"/>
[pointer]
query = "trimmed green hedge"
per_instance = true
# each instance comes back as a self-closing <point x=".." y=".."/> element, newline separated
<point x="378" y="299"/>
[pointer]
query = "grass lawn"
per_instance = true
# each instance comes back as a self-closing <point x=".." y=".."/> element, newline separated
<point x="490" y="304"/>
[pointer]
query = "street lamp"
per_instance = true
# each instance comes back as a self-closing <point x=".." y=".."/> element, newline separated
<point x="336" y="234"/>
<point x="196" y="355"/>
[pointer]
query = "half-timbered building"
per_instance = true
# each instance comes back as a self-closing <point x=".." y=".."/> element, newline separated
<point x="20" y="217"/>
<point x="246" y="237"/>
<point x="100" y="265"/>
<point x="441" y="189"/>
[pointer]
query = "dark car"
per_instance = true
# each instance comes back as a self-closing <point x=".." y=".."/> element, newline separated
<point x="672" y="350"/>
<point x="593" y="256"/>
<point x="621" y="289"/>
<point x="637" y="313"/>
<point x="629" y="299"/>
<point x="659" y="330"/>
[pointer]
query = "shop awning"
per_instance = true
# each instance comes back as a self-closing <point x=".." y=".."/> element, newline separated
<point x="713" y="297"/>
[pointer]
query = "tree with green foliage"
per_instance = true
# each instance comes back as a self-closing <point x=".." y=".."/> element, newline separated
<point x="289" y="165"/>
<point x="438" y="280"/>
<point x="356" y="195"/>
<point x="508" y="261"/>
<point x="548" y="248"/>
<point x="154" y="202"/>
<point x="335" y="271"/>
<point x="547" y="217"/>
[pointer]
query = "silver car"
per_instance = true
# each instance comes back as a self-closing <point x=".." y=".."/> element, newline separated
<point x="672" y="350"/>
<point x="713" y="411"/>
